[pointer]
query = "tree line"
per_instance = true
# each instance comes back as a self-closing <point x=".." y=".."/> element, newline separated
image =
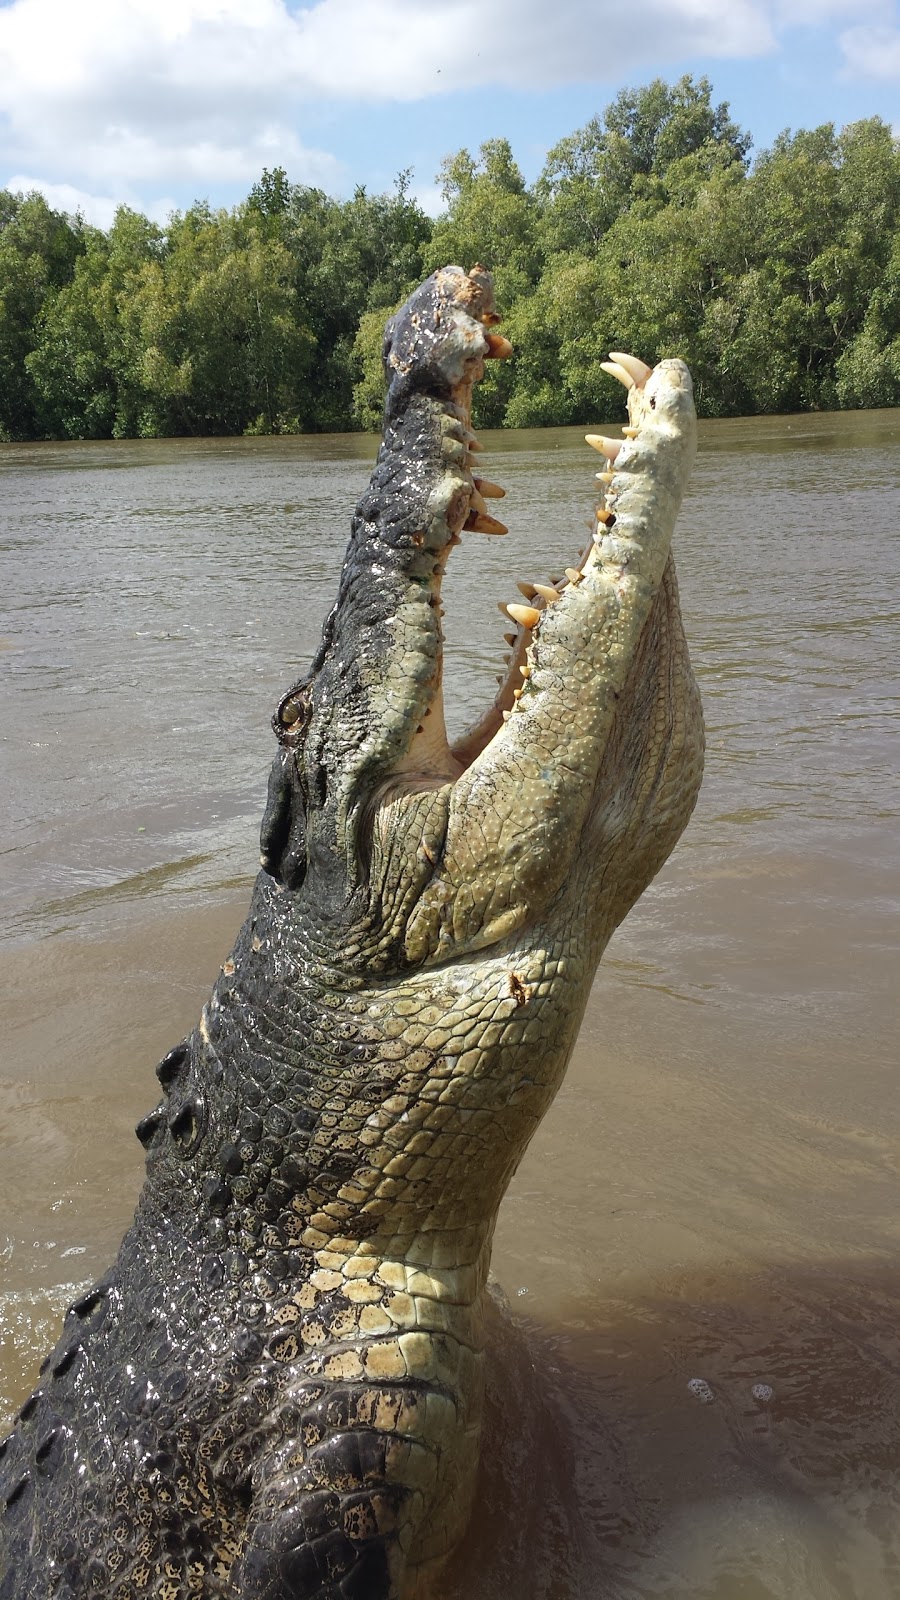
<point x="649" y="229"/>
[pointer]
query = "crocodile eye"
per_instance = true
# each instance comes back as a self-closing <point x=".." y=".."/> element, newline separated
<point x="187" y="1123"/>
<point x="182" y="1125"/>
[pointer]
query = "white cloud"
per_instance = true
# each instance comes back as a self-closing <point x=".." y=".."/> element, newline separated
<point x="109" y="93"/>
<point x="113" y="94"/>
<point x="116" y="97"/>
<point x="429" y="197"/>
<point x="407" y="49"/>
<point x="872" y="52"/>
<point x="154" y="59"/>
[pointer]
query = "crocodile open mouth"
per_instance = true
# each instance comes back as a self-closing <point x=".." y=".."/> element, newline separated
<point x="431" y="752"/>
<point x="486" y="824"/>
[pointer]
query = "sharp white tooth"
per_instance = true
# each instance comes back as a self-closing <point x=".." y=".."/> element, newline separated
<point x="604" y="514"/>
<point x="630" y="433"/>
<point x="574" y="574"/>
<point x="639" y="370"/>
<point x="476" y="503"/>
<point x="608" y="447"/>
<point x="506" y="715"/>
<point x="604" y="477"/>
<point x="546" y="592"/>
<point x="527" y="615"/>
<point x="615" y="371"/>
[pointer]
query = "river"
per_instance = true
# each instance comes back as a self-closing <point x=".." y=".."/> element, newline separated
<point x="695" y="1385"/>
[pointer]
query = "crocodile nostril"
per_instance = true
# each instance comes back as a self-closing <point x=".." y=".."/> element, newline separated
<point x="148" y="1126"/>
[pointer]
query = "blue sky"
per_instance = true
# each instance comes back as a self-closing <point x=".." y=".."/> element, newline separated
<point x="157" y="102"/>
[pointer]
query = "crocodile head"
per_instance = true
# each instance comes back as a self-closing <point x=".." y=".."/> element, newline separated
<point x="558" y="807"/>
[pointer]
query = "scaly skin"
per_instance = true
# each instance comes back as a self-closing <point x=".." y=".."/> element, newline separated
<point x="276" y="1390"/>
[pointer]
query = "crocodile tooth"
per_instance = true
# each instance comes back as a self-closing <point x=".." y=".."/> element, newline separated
<point x="574" y="574"/>
<point x="491" y="491"/>
<point x="604" y="477"/>
<point x="630" y="433"/>
<point x="527" y="589"/>
<point x="546" y="592"/>
<point x="607" y="447"/>
<point x="639" y="370"/>
<point x="615" y="371"/>
<point x="527" y="615"/>
<point x="518" y="693"/>
<point x="604" y="514"/>
<point x="506" y="715"/>
<point x="525" y="671"/>
<point x="480" y="522"/>
<point x="477" y="502"/>
<point x="498" y="348"/>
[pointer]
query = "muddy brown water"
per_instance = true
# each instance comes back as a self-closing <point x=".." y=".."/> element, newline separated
<point x="695" y="1382"/>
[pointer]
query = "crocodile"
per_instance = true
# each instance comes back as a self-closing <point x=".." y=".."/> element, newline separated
<point x="275" y="1392"/>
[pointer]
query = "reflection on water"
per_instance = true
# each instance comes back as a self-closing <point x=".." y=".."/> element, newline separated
<point x="711" y="1206"/>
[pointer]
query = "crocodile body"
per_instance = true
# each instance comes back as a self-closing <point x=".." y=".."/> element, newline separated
<point x="275" y="1393"/>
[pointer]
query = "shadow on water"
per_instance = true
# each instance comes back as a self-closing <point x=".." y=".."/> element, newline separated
<point x="739" y="1440"/>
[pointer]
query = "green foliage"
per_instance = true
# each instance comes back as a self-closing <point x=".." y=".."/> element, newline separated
<point x="597" y="174"/>
<point x="646" y="230"/>
<point x="38" y="251"/>
<point x="368" y="393"/>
